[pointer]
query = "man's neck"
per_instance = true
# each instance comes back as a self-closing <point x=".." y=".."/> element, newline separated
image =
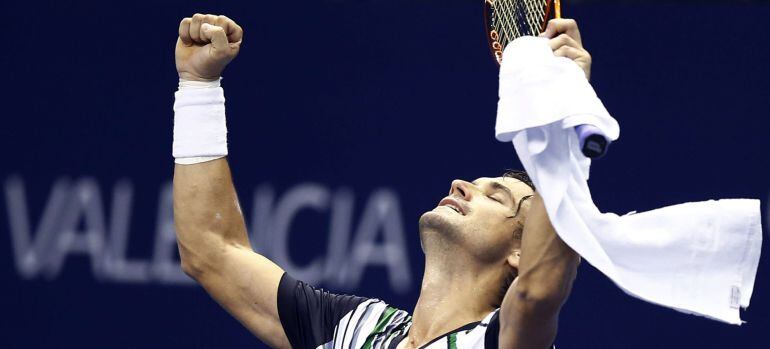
<point x="449" y="298"/>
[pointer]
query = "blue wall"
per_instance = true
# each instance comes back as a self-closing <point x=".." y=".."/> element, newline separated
<point x="353" y="101"/>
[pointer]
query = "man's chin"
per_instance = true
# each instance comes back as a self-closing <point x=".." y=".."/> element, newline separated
<point x="439" y="218"/>
<point x="438" y="230"/>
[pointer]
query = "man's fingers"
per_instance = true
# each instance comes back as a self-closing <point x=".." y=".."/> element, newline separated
<point x="222" y="21"/>
<point x="569" y="52"/>
<point x="232" y="29"/>
<point x="558" y="26"/>
<point x="562" y="26"/>
<point x="217" y="36"/>
<point x="184" y="31"/>
<point x="195" y="28"/>
<point x="563" y="40"/>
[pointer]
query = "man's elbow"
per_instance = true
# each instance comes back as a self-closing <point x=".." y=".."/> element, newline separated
<point x="191" y="267"/>
<point x="202" y="257"/>
<point x="539" y="305"/>
<point x="539" y="300"/>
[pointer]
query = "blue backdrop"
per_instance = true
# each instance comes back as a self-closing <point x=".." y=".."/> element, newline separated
<point x="351" y="103"/>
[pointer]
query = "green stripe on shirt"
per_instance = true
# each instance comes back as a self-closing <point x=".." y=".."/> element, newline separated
<point x="381" y="323"/>
<point x="452" y="341"/>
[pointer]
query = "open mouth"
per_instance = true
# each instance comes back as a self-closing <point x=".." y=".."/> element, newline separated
<point x="455" y="208"/>
<point x="453" y="205"/>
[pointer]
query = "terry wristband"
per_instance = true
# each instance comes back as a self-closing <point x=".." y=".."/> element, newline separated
<point x="200" y="130"/>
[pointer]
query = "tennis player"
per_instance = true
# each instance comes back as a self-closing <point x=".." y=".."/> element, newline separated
<point x="496" y="273"/>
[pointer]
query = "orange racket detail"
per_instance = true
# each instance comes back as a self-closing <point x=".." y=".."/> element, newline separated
<point x="508" y="20"/>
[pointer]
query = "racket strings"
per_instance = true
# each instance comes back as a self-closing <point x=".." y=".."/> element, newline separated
<point x="512" y="19"/>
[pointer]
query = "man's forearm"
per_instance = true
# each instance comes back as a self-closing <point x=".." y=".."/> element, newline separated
<point x="547" y="268"/>
<point x="207" y="215"/>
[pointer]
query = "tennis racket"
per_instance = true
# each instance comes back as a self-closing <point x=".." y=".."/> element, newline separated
<point x="508" y="20"/>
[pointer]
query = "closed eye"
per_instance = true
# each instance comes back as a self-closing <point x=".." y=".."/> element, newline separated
<point x="495" y="199"/>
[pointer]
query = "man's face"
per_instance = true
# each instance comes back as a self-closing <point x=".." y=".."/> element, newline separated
<point x="478" y="217"/>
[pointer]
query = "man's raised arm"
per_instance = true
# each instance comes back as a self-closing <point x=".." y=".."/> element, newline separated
<point x="213" y="243"/>
<point x="530" y="311"/>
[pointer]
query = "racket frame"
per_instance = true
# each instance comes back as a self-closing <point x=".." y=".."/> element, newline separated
<point x="492" y="35"/>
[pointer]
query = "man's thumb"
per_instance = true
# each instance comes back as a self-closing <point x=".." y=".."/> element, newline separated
<point x="217" y="36"/>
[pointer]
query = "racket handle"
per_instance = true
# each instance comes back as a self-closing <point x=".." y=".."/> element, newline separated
<point x="593" y="144"/>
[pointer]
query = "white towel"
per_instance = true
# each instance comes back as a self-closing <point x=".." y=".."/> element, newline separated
<point x="697" y="257"/>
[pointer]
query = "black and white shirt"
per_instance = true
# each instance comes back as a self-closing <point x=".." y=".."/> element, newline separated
<point x="315" y="318"/>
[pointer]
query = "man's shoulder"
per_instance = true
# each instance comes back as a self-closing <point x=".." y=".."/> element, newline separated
<point x="314" y="317"/>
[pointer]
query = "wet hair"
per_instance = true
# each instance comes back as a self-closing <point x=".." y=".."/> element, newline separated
<point x="524" y="178"/>
<point x="520" y="175"/>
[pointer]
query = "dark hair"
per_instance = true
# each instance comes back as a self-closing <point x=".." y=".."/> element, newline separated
<point x="520" y="175"/>
<point x="524" y="178"/>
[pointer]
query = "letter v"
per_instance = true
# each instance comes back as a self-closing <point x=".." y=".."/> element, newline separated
<point x="26" y="254"/>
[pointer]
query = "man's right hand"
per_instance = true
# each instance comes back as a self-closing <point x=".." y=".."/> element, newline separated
<point x="206" y="44"/>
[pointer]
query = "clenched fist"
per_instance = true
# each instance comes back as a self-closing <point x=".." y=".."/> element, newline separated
<point x="206" y="44"/>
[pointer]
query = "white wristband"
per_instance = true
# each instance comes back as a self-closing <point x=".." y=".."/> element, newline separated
<point x="200" y="130"/>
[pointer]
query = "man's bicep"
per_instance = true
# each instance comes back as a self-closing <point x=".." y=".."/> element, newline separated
<point x="524" y="337"/>
<point x="246" y="285"/>
<point x="524" y="324"/>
